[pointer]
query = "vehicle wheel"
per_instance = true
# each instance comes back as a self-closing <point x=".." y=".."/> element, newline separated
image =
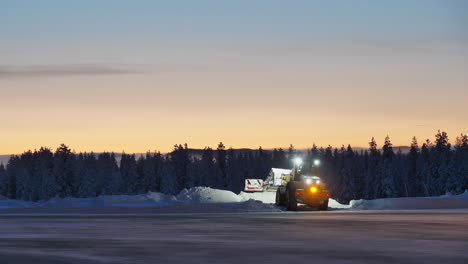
<point x="324" y="207"/>
<point x="278" y="200"/>
<point x="291" y="201"/>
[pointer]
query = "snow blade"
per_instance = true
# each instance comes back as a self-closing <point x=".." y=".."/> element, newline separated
<point x="254" y="185"/>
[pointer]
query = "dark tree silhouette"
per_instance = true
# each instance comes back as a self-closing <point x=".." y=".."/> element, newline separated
<point x="433" y="169"/>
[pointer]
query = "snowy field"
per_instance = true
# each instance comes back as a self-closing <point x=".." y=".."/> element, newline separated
<point x="203" y="225"/>
<point x="307" y="237"/>
<point x="206" y="200"/>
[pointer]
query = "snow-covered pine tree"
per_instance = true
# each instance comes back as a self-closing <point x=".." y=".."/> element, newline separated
<point x="180" y="160"/>
<point x="360" y="166"/>
<point x="221" y="164"/>
<point x="131" y="182"/>
<point x="462" y="144"/>
<point x="413" y="176"/>
<point x="88" y="174"/>
<point x="233" y="182"/>
<point x="108" y="174"/>
<point x="458" y="180"/>
<point x="327" y="166"/>
<point x="11" y="168"/>
<point x="441" y="161"/>
<point x="63" y="170"/>
<point x="336" y="174"/>
<point x="279" y="159"/>
<point x="349" y="183"/>
<point x="3" y="181"/>
<point x="45" y="179"/>
<point x="263" y="163"/>
<point x="169" y="183"/>
<point x="234" y="171"/>
<point x="425" y="168"/>
<point x="373" y="182"/>
<point x="400" y="174"/>
<point x="152" y="170"/>
<point x="386" y="171"/>
<point x="207" y="165"/>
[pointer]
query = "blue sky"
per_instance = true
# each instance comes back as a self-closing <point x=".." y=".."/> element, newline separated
<point x="53" y="30"/>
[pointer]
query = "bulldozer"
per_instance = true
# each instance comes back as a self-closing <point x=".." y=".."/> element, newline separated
<point x="298" y="188"/>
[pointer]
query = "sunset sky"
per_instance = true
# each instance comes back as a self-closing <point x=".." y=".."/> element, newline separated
<point x="145" y="75"/>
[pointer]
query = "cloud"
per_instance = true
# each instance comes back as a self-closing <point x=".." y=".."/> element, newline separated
<point x="56" y="70"/>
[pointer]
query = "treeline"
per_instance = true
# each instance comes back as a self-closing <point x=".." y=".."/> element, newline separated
<point x="435" y="168"/>
<point x="432" y="169"/>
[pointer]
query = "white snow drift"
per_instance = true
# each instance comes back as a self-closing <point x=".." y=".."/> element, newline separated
<point x="213" y="200"/>
<point x="199" y="197"/>
<point x="438" y="202"/>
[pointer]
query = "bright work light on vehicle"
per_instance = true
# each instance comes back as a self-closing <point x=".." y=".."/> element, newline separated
<point x="313" y="189"/>
<point x="316" y="162"/>
<point x="298" y="161"/>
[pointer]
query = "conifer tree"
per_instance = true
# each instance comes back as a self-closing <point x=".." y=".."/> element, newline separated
<point x="387" y="171"/>
<point x="221" y="162"/>
<point x="132" y="181"/>
<point x="372" y="180"/>
<point x="441" y="162"/>
<point x="414" y="177"/>
<point x="3" y="181"/>
<point x="458" y="180"/>
<point x="63" y="170"/>
<point x="44" y="178"/>
<point x="425" y="168"/>
<point x="207" y="168"/>
<point x="87" y="174"/>
<point x="108" y="174"/>
<point x="180" y="161"/>
<point x="12" y="167"/>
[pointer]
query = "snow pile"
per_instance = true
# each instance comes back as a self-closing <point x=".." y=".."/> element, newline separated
<point x="255" y="206"/>
<point x="8" y="203"/>
<point x="141" y="200"/>
<point x="269" y="198"/>
<point x="336" y="205"/>
<point x="265" y="197"/>
<point x="207" y="195"/>
<point x="439" y="202"/>
<point x="186" y="196"/>
<point x="188" y="200"/>
<point x="204" y="199"/>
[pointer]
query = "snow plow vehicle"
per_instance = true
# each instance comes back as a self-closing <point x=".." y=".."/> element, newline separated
<point x="272" y="182"/>
<point x="274" y="179"/>
<point x="297" y="188"/>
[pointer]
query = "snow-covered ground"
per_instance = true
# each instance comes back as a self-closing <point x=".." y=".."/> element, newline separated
<point x="345" y="236"/>
<point x="212" y="200"/>
<point x="411" y="203"/>
<point x="189" y="200"/>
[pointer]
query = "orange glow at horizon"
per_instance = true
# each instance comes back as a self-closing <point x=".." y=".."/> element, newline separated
<point x="150" y="120"/>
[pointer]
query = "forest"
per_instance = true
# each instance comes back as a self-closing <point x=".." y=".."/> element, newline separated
<point x="433" y="168"/>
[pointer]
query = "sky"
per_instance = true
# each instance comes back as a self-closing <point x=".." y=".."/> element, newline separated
<point x="145" y="75"/>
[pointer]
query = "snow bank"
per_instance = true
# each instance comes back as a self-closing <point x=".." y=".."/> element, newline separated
<point x="336" y="205"/>
<point x="199" y="199"/>
<point x="204" y="199"/>
<point x="207" y="195"/>
<point x="269" y="198"/>
<point x="438" y="202"/>
<point x="265" y="197"/>
<point x="149" y="199"/>
<point x="8" y="203"/>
